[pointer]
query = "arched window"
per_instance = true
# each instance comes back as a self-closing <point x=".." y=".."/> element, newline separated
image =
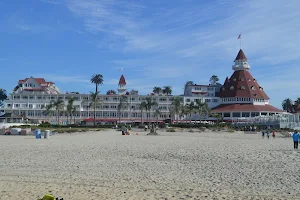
<point x="243" y="87"/>
<point x="231" y="88"/>
<point x="234" y="79"/>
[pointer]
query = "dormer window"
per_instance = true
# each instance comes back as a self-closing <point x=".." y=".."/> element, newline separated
<point x="260" y="88"/>
<point x="243" y="87"/>
<point x="249" y="79"/>
<point x="253" y="88"/>
<point x="234" y="79"/>
<point x="254" y="80"/>
<point x="231" y="88"/>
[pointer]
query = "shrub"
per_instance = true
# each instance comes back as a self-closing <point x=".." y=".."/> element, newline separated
<point x="171" y="130"/>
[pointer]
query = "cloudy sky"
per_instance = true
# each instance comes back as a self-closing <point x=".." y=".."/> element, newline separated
<point x="157" y="42"/>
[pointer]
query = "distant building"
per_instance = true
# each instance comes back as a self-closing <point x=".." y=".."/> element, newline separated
<point x="32" y="95"/>
<point x="36" y="85"/>
<point x="203" y="93"/>
<point x="241" y="95"/>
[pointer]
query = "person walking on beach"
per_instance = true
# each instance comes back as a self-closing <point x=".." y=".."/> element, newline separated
<point x="296" y="139"/>
<point x="268" y="134"/>
<point x="273" y="134"/>
<point x="263" y="134"/>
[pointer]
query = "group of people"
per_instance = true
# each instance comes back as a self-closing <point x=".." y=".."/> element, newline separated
<point x="268" y="134"/>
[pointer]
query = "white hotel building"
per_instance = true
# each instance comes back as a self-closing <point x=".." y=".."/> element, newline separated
<point x="31" y="96"/>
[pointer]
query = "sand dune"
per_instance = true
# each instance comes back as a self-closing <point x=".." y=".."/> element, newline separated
<point x="106" y="165"/>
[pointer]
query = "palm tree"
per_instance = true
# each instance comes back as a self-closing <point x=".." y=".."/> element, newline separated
<point x="219" y="117"/>
<point x="142" y="106"/>
<point x="183" y="112"/>
<point x="58" y="105"/>
<point x="97" y="79"/>
<point x="94" y="101"/>
<point x="3" y="96"/>
<point x="122" y="105"/>
<point x="176" y="105"/>
<point x="157" y="113"/>
<point x="49" y="110"/>
<point x="111" y="92"/>
<point x="157" y="90"/>
<point x="287" y="105"/>
<point x="149" y="106"/>
<point x="167" y="90"/>
<point x="190" y="110"/>
<point x="70" y="107"/>
<point x="73" y="113"/>
<point x="202" y="109"/>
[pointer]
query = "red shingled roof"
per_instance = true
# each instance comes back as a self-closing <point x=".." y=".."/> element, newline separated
<point x="38" y="80"/>
<point x="241" y="56"/>
<point x="244" y="107"/>
<point x="242" y="84"/>
<point x="122" y="80"/>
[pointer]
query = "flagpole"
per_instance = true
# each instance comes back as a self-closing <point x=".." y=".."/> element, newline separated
<point x="240" y="43"/>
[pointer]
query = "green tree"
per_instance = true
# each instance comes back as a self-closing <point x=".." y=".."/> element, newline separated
<point x="287" y="105"/>
<point x="190" y="110"/>
<point x="157" y="113"/>
<point x="94" y="102"/>
<point x="202" y="109"/>
<point x="111" y="92"/>
<point x="122" y="105"/>
<point x="157" y="90"/>
<point x="176" y="104"/>
<point x="58" y="105"/>
<point x="70" y="107"/>
<point x="149" y="105"/>
<point x="97" y="79"/>
<point x="3" y="96"/>
<point x="167" y="90"/>
<point x="142" y="106"/>
<point x="213" y="79"/>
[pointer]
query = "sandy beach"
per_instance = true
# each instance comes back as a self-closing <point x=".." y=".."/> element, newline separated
<point x="181" y="165"/>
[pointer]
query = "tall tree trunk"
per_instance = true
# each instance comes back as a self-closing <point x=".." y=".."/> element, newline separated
<point x="96" y="88"/>
<point x="141" y="117"/>
<point x="94" y="115"/>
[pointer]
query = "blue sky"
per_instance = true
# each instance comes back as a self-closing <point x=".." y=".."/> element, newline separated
<point x="156" y="42"/>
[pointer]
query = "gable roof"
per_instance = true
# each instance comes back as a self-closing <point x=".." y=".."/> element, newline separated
<point x="242" y="84"/>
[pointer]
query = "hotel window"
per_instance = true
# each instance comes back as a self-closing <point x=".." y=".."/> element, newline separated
<point x="254" y="80"/>
<point x="249" y="79"/>
<point x="243" y="87"/>
<point x="223" y="89"/>
<point x="226" y="114"/>
<point x="188" y="100"/>
<point x="207" y="100"/>
<point x="253" y="88"/>
<point x="231" y="88"/>
<point x="234" y="79"/>
<point x="260" y="88"/>
<point x="242" y="79"/>
<point x="215" y="100"/>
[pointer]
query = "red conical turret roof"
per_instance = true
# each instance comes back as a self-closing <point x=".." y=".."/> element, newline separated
<point x="122" y="80"/>
<point x="241" y="56"/>
<point x="242" y="84"/>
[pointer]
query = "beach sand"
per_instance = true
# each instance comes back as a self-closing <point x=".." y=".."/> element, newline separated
<point x="181" y="165"/>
